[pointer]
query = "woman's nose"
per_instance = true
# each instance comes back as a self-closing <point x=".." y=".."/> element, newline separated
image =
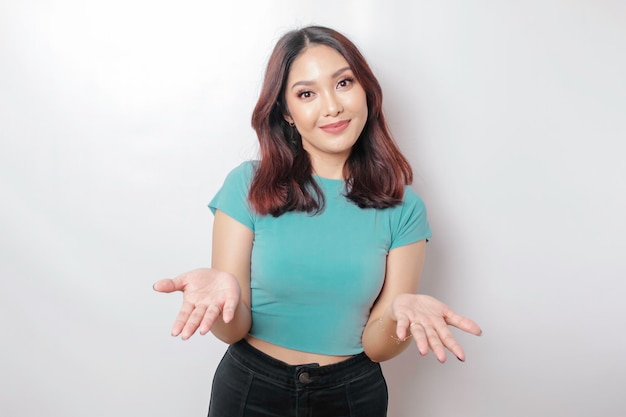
<point x="332" y="105"/>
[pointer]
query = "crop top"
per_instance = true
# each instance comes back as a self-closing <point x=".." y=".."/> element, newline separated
<point x="314" y="277"/>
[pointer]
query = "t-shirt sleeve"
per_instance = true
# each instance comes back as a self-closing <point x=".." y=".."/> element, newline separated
<point x="411" y="220"/>
<point x="232" y="197"/>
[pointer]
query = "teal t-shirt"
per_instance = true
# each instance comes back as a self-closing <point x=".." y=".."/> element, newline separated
<point x="315" y="277"/>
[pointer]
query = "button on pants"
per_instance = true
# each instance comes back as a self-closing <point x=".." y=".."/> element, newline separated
<point x="249" y="383"/>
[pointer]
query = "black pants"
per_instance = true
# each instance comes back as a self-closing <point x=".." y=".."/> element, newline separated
<point x="249" y="383"/>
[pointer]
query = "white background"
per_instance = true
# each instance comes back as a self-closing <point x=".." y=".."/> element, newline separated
<point x="120" y="119"/>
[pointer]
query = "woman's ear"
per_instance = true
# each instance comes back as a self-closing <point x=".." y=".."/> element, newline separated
<point x="286" y="114"/>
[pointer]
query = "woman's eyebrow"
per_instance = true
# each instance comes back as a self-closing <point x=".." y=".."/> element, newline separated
<point x="307" y="83"/>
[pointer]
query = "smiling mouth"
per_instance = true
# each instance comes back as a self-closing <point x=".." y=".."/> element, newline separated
<point x="335" y="127"/>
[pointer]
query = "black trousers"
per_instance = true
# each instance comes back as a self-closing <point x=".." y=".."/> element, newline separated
<point x="249" y="383"/>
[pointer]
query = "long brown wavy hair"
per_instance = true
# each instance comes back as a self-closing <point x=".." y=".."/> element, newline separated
<point x="375" y="172"/>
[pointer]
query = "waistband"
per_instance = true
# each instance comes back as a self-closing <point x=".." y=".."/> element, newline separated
<point x="272" y="369"/>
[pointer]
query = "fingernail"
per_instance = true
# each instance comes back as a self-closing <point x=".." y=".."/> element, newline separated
<point x="462" y="360"/>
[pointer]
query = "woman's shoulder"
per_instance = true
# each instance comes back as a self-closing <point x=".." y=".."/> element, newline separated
<point x="411" y="197"/>
<point x="243" y="171"/>
<point x="246" y="168"/>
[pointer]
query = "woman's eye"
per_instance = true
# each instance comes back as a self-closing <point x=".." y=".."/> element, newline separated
<point x="345" y="82"/>
<point x="305" y="94"/>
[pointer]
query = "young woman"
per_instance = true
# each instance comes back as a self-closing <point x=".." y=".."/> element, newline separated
<point x="317" y="248"/>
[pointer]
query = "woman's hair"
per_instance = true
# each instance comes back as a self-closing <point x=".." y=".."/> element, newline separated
<point x="375" y="172"/>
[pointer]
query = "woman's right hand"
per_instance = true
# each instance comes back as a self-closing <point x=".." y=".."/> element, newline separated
<point x="207" y="293"/>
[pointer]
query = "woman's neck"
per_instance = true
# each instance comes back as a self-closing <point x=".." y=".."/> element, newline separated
<point x="331" y="168"/>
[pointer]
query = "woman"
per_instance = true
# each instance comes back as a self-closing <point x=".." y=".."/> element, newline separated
<point x="317" y="247"/>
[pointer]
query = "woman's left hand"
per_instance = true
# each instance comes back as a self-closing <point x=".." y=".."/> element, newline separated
<point x="427" y="320"/>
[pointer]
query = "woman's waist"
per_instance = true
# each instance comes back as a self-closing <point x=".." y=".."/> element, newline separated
<point x="292" y="356"/>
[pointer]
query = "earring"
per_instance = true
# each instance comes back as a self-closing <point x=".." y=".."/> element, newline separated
<point x="293" y="136"/>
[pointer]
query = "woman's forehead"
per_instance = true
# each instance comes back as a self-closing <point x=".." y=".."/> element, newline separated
<point x="317" y="62"/>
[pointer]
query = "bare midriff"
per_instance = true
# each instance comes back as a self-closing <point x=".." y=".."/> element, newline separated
<point x="293" y="357"/>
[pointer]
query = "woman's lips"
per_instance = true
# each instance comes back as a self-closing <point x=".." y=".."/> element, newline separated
<point x="335" y="128"/>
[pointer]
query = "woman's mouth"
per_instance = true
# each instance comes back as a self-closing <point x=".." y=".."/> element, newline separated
<point x="335" y="128"/>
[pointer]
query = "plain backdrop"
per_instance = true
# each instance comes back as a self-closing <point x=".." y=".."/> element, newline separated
<point x="120" y="119"/>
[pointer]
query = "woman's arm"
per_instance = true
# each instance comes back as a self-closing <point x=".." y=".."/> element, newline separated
<point x="232" y="249"/>
<point x="399" y="313"/>
<point x="216" y="299"/>
<point x="403" y="271"/>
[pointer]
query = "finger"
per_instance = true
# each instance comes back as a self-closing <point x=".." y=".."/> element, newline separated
<point x="181" y="318"/>
<point x="229" y="308"/>
<point x="163" y="285"/>
<point x="193" y="322"/>
<point x="402" y="327"/>
<point x="231" y="302"/>
<point x="462" y="323"/>
<point x="450" y="342"/>
<point x="211" y="314"/>
<point x="168" y="285"/>
<point x="420" y="338"/>
<point x="435" y="344"/>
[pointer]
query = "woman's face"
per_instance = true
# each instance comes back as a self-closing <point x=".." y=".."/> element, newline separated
<point x="326" y="103"/>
